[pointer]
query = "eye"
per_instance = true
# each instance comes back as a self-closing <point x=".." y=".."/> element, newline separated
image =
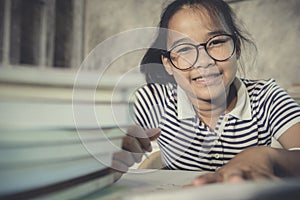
<point x="183" y="49"/>
<point x="216" y="42"/>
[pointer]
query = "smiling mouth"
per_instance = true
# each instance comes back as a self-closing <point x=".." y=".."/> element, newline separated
<point x="207" y="77"/>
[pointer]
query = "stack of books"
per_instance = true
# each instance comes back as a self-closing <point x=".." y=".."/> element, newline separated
<point x="52" y="145"/>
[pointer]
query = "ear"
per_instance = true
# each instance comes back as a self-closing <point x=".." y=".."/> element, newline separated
<point x="167" y="64"/>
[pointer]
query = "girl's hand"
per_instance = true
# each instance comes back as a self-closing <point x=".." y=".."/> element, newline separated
<point x="251" y="164"/>
<point x="134" y="145"/>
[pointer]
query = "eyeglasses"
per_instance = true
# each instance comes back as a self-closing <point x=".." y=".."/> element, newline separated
<point x="219" y="47"/>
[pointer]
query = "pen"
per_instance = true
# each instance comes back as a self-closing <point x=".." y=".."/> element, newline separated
<point x="141" y="149"/>
<point x="145" y="154"/>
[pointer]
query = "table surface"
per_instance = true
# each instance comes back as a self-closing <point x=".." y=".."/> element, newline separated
<point x="167" y="184"/>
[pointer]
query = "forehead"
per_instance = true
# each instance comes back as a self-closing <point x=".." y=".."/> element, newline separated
<point x="194" y="22"/>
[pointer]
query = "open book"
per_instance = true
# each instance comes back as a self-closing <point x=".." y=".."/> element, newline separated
<point x="168" y="184"/>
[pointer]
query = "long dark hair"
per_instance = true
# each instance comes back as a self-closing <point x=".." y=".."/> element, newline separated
<point x="151" y="64"/>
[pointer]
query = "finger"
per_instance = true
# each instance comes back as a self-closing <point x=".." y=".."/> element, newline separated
<point x="124" y="157"/>
<point x="141" y="136"/>
<point x="137" y="157"/>
<point x="262" y="175"/>
<point x="234" y="179"/>
<point x="153" y="133"/>
<point x="232" y="175"/>
<point x="119" y="169"/>
<point x="119" y="166"/>
<point x="242" y="174"/>
<point x="132" y="144"/>
<point x="117" y="176"/>
<point x="206" y="179"/>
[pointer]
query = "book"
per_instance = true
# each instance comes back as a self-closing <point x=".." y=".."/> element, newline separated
<point x="22" y="155"/>
<point x="46" y="115"/>
<point x="36" y="158"/>
<point x="57" y="132"/>
<point x="79" y="191"/>
<point x="169" y="184"/>
<point x="28" y="137"/>
<point x="28" y="177"/>
<point x="67" y="188"/>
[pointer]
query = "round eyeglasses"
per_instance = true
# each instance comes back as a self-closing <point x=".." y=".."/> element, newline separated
<point x="185" y="55"/>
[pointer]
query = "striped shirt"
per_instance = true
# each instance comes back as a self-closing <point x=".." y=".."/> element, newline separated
<point x="263" y="110"/>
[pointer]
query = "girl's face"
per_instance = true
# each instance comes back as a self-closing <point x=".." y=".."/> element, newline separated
<point x="208" y="79"/>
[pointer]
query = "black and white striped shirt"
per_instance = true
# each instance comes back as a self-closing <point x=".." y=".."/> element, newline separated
<point x="263" y="110"/>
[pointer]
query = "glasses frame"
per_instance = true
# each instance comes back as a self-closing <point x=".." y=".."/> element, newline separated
<point x="167" y="54"/>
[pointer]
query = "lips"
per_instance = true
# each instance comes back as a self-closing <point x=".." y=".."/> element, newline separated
<point x="208" y="79"/>
<point x="207" y="76"/>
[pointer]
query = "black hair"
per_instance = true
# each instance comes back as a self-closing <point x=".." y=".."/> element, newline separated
<point x="151" y="64"/>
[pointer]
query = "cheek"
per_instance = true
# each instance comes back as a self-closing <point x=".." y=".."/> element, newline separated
<point x="182" y="79"/>
<point x="230" y="67"/>
<point x="234" y="68"/>
<point x="229" y="73"/>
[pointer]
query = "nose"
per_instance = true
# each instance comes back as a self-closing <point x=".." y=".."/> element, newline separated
<point x="203" y="60"/>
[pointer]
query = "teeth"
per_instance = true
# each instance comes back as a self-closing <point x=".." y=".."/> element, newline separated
<point x="206" y="77"/>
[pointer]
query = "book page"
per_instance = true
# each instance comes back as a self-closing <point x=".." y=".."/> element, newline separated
<point x="157" y="180"/>
<point x="168" y="184"/>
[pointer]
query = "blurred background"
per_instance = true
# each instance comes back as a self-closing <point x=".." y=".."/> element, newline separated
<point x="60" y="34"/>
<point x="47" y="37"/>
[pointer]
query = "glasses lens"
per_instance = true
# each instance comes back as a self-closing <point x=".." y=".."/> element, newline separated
<point x="183" y="56"/>
<point x="220" y="47"/>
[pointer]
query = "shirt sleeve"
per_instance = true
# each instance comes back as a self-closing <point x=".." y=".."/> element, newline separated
<point x="284" y="111"/>
<point x="148" y="106"/>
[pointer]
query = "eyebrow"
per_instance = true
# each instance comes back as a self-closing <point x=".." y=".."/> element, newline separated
<point x="218" y="32"/>
<point x="182" y="40"/>
<point x="188" y="39"/>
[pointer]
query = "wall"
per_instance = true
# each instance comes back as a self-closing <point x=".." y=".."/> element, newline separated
<point x="274" y="25"/>
<point x="105" y="19"/>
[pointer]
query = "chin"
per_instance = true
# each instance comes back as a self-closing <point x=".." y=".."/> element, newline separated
<point x="210" y="94"/>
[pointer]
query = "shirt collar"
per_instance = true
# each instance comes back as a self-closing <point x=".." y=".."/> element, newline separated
<point x="242" y="109"/>
<point x="184" y="106"/>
